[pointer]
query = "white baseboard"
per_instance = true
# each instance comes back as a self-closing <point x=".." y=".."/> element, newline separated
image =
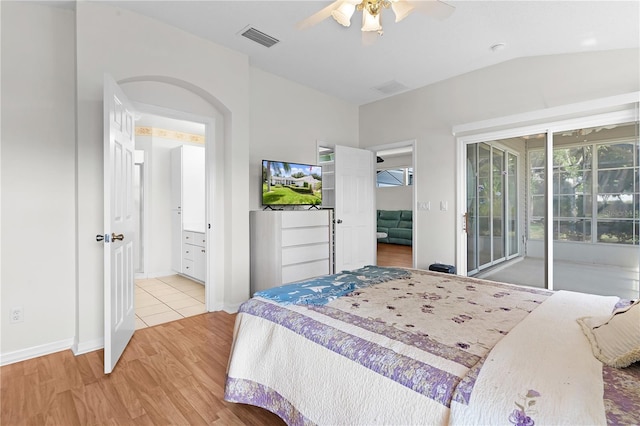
<point x="231" y="309"/>
<point x="90" y="346"/>
<point x="36" y="351"/>
<point x="144" y="276"/>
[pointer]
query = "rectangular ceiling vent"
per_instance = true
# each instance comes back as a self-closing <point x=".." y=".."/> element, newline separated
<point x="259" y="37"/>
<point x="391" y="87"/>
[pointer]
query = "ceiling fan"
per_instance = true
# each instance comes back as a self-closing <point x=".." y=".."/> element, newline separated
<point x="343" y="10"/>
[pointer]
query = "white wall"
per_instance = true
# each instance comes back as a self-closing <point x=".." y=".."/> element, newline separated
<point x="38" y="177"/>
<point x="62" y="293"/>
<point x="133" y="47"/>
<point x="428" y="115"/>
<point x="287" y="120"/>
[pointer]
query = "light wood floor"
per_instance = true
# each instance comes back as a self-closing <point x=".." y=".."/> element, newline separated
<point x="170" y="374"/>
<point x="395" y="255"/>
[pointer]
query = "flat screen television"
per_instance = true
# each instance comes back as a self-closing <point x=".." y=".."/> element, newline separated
<point x="291" y="184"/>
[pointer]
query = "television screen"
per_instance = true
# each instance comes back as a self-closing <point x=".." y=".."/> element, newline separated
<point x="291" y="184"/>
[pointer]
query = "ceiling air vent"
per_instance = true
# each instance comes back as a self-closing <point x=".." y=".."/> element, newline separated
<point x="259" y="37"/>
<point x="390" y="87"/>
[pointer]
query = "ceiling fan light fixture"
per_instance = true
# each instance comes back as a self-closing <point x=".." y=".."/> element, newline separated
<point x="371" y="22"/>
<point x="401" y="9"/>
<point x="343" y="13"/>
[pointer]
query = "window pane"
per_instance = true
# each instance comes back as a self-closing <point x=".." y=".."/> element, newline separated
<point x="617" y="231"/>
<point x="569" y="182"/>
<point x="616" y="206"/>
<point x="572" y="206"/>
<point x="512" y="204"/>
<point x="537" y="206"/>
<point x="393" y="177"/>
<point x="536" y="229"/>
<point x="537" y="182"/>
<point x="574" y="230"/>
<point x="572" y="159"/>
<point x="620" y="180"/>
<point x="536" y="159"/>
<point x="615" y="155"/>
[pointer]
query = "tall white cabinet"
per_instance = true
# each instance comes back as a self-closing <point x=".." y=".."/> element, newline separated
<point x="188" y="211"/>
<point x="288" y="246"/>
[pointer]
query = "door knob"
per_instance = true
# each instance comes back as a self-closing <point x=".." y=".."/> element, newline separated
<point x="339" y="221"/>
<point x="115" y="236"/>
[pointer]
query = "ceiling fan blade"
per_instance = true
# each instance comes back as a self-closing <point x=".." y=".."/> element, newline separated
<point x="433" y="8"/>
<point x="319" y="16"/>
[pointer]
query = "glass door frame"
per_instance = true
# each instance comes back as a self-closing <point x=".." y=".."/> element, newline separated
<point x="586" y="114"/>
<point x="506" y="152"/>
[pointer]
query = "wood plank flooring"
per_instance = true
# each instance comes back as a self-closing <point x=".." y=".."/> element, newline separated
<point x="170" y="374"/>
<point x="395" y="255"/>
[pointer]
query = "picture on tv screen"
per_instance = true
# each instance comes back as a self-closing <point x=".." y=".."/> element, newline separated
<point x="291" y="184"/>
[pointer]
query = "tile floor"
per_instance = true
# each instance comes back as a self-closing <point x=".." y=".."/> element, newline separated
<point x="581" y="277"/>
<point x="164" y="299"/>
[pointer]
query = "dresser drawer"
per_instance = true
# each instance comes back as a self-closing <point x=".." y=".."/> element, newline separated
<point x="188" y="267"/>
<point x="188" y="251"/>
<point x="305" y="218"/>
<point x="199" y="239"/>
<point x="188" y="237"/>
<point x="306" y="253"/>
<point x="301" y="271"/>
<point x="298" y="236"/>
<point x="195" y="238"/>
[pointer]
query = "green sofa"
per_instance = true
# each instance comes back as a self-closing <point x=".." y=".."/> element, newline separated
<point x="397" y="224"/>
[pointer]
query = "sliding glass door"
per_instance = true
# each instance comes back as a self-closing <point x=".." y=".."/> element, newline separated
<point x="561" y="198"/>
<point x="492" y="205"/>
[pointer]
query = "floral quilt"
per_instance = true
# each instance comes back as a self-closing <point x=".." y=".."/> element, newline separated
<point x="465" y="314"/>
<point x="413" y="338"/>
<point x="416" y="347"/>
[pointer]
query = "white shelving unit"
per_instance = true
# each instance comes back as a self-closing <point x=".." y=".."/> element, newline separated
<point x="326" y="160"/>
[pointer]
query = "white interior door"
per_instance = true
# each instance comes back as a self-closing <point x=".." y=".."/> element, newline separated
<point x="119" y="223"/>
<point x="355" y="232"/>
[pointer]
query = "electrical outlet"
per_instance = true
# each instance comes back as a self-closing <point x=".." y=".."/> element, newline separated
<point x="16" y="315"/>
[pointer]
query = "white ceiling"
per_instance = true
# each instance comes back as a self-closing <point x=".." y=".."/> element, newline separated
<point x="415" y="52"/>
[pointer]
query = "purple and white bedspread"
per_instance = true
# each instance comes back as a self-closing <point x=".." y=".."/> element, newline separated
<point x="409" y="351"/>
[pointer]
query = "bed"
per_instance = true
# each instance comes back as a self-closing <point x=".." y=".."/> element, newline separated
<point x="412" y="347"/>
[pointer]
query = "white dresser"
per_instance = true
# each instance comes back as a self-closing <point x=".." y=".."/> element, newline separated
<point x="289" y="246"/>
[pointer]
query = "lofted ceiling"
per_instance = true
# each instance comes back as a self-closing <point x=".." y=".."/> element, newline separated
<point x="412" y="53"/>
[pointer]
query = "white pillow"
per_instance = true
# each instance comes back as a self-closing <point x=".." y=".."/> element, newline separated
<point x="615" y="338"/>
